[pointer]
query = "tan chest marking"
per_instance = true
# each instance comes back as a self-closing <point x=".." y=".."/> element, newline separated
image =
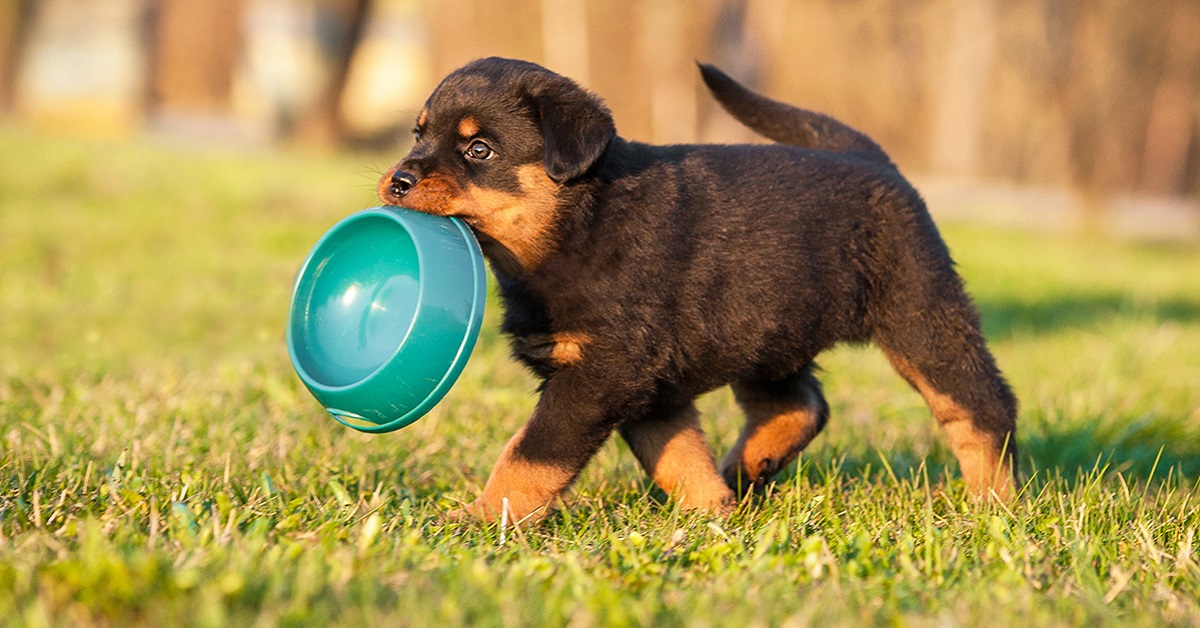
<point x="560" y="350"/>
<point x="568" y="349"/>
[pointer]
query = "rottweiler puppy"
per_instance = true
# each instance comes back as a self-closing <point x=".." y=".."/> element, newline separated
<point x="635" y="277"/>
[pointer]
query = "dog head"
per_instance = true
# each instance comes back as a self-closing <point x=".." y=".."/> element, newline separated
<point x="496" y="143"/>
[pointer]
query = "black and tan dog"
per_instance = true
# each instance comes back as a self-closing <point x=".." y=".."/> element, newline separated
<point x="636" y="277"/>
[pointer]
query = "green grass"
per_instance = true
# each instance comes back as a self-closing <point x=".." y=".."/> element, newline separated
<point x="160" y="463"/>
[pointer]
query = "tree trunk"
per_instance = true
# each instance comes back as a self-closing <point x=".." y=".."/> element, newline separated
<point x="341" y="24"/>
<point x="1174" y="110"/>
<point x="16" y="21"/>
<point x="194" y="53"/>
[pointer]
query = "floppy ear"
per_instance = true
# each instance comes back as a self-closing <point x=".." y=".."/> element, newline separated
<point x="576" y="128"/>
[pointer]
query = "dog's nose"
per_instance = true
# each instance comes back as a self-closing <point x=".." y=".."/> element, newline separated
<point x="402" y="182"/>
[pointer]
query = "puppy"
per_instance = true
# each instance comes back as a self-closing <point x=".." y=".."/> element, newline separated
<point x="636" y="277"/>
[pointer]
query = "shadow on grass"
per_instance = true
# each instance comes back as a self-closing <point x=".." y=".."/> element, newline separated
<point x="1143" y="452"/>
<point x="1079" y="311"/>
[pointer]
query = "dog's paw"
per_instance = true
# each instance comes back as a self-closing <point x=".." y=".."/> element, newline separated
<point x="723" y="508"/>
<point x="715" y="498"/>
<point x="744" y="477"/>
<point x="456" y="515"/>
<point x="465" y="513"/>
<point x="479" y="510"/>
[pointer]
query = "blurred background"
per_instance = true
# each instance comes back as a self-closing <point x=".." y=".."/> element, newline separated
<point x="1032" y="111"/>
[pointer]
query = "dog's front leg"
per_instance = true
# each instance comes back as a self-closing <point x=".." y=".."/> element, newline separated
<point x="540" y="462"/>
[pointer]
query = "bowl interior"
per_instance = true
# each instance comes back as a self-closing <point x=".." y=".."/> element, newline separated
<point x="357" y="301"/>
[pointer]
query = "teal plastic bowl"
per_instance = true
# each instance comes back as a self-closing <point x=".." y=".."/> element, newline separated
<point x="385" y="312"/>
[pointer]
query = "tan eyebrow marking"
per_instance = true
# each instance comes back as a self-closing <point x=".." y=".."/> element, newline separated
<point x="468" y="127"/>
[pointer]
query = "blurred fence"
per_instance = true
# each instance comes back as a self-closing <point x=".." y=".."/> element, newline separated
<point x="1101" y="95"/>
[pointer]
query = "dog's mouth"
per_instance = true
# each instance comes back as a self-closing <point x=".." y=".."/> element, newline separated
<point x="391" y="196"/>
<point x="509" y="235"/>
<point x="485" y="239"/>
<point x="472" y="223"/>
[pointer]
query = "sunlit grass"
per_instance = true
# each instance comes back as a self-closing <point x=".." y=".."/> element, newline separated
<point x="160" y="463"/>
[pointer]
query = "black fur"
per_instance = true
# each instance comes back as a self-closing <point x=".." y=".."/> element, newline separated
<point x="690" y="267"/>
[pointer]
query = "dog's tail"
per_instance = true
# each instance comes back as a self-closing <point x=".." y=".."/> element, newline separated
<point x="787" y="124"/>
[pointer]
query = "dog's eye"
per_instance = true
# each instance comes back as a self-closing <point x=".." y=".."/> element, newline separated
<point x="416" y="131"/>
<point x="479" y="150"/>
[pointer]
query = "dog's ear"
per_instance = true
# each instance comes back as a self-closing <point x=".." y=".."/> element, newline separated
<point x="576" y="128"/>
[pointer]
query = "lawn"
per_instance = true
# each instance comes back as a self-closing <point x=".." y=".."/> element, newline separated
<point x="160" y="464"/>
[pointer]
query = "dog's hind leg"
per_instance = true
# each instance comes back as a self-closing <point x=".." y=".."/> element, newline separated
<point x="940" y="351"/>
<point x="673" y="451"/>
<point x="782" y="417"/>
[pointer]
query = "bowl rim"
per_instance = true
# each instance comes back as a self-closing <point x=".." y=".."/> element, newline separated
<point x="334" y="231"/>
<point x="399" y="216"/>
